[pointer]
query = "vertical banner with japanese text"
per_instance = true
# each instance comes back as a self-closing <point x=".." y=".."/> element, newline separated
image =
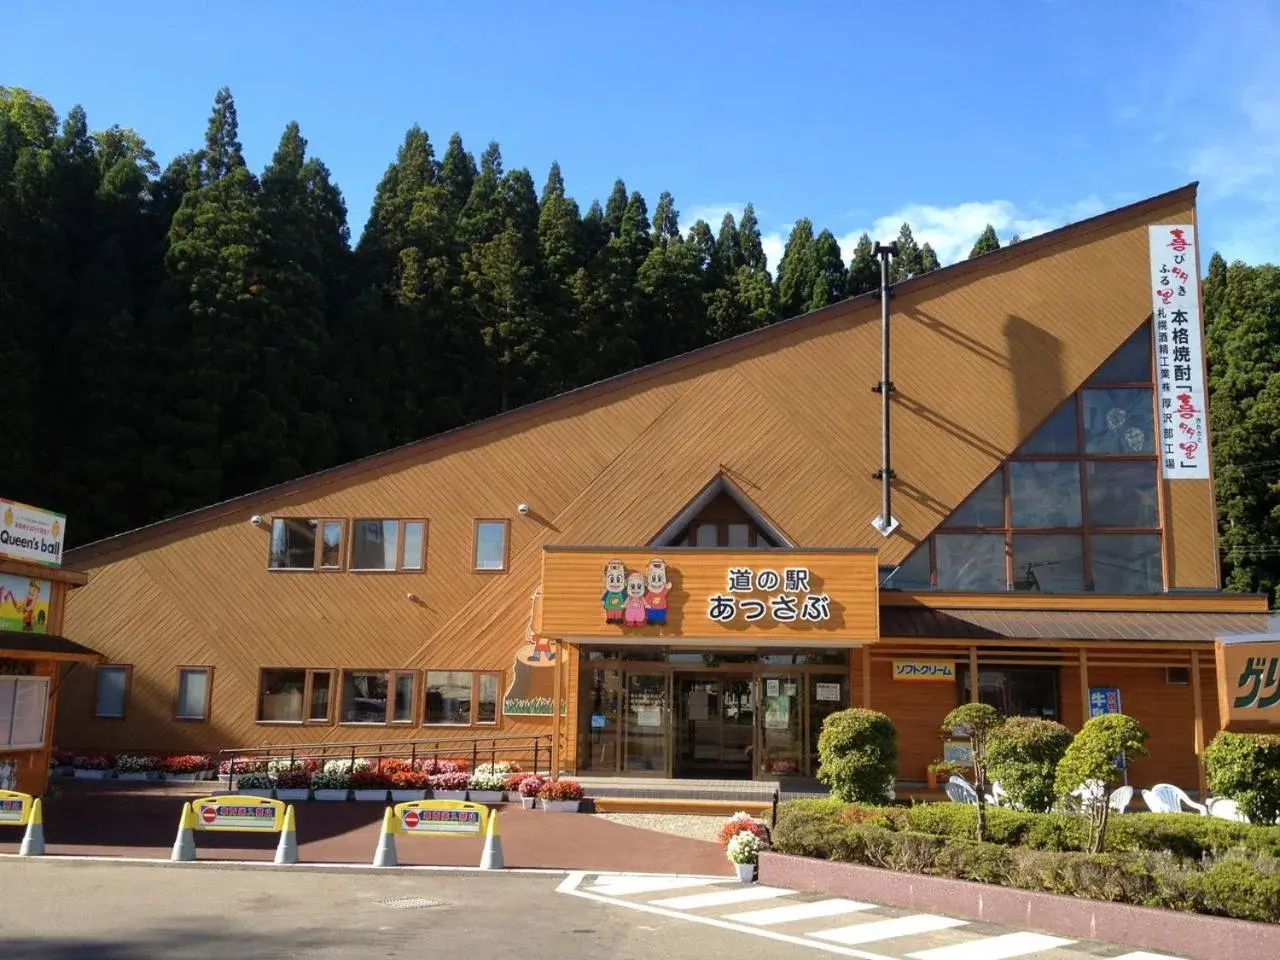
<point x="1183" y="423"/>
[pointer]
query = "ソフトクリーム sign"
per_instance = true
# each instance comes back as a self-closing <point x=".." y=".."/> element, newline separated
<point x="442" y="818"/>
<point x="244" y="814"/>
<point x="934" y="671"/>
<point x="29" y="533"/>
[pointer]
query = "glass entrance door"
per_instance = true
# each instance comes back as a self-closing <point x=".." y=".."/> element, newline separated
<point x="781" y="727"/>
<point x="645" y="726"/>
<point x="715" y="718"/>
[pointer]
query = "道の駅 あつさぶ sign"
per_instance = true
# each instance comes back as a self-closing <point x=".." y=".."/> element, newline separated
<point x="936" y="671"/>
<point x="29" y="533"/>
<point x="781" y="596"/>
<point x="442" y="818"/>
<point x="245" y="814"/>
<point x="1182" y="425"/>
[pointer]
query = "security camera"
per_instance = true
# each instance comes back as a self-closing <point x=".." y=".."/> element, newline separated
<point x="523" y="508"/>
<point x="256" y="520"/>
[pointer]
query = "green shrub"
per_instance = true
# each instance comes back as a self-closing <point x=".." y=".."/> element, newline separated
<point x="957" y="821"/>
<point x="858" y="755"/>
<point x="981" y="862"/>
<point x="828" y="829"/>
<point x="1023" y="754"/>
<point x="1236" y="888"/>
<point x="1092" y="756"/>
<point x="976" y="721"/>
<point x="1246" y="768"/>
<point x="1189" y="837"/>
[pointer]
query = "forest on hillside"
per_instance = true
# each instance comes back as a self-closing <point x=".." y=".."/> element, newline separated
<point x="178" y="335"/>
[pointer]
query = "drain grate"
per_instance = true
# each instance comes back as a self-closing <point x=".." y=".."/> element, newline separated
<point x="410" y="903"/>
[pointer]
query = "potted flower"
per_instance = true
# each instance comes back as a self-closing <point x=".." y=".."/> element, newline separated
<point x="529" y="787"/>
<point x="238" y="766"/>
<point x="330" y="784"/>
<point x="95" y="767"/>
<point x="409" y="785"/>
<point x="486" y="786"/>
<point x="449" y="786"/>
<point x="292" y="784"/>
<point x="370" y="783"/>
<point x="256" y="783"/>
<point x="132" y="766"/>
<point x="187" y="766"/>
<point x="744" y="853"/>
<point x="62" y="763"/>
<point x="561" y="796"/>
<point x="741" y="822"/>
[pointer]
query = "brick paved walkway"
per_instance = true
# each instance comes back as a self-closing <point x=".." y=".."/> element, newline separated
<point x="87" y="818"/>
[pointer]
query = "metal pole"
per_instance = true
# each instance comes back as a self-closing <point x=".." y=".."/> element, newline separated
<point x="886" y="523"/>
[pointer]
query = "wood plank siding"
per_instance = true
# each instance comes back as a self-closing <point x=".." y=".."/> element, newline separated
<point x="983" y="352"/>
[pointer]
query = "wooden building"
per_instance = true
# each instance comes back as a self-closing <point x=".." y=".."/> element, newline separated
<point x="686" y="558"/>
<point x="35" y="658"/>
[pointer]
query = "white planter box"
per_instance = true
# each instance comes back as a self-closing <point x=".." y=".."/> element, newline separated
<point x="64" y="771"/>
<point x="485" y="796"/>
<point x="184" y="777"/>
<point x="560" y="806"/>
<point x="330" y="795"/>
<point x="262" y="793"/>
<point x="93" y="774"/>
<point x="528" y="802"/>
<point x="746" y="872"/>
<point x="405" y="796"/>
<point x="292" y="793"/>
<point x="448" y="794"/>
<point x="377" y="796"/>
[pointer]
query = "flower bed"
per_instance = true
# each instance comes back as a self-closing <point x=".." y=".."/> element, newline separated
<point x="1174" y="861"/>
<point x="562" y="796"/>
<point x="188" y="766"/>
<point x="95" y="767"/>
<point x="449" y="786"/>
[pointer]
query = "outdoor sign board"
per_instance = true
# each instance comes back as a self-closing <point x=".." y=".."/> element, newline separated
<point x="926" y="671"/>
<point x="15" y="808"/>
<point x="442" y="818"/>
<point x="239" y="813"/>
<point x="1248" y="669"/>
<point x="29" y="533"/>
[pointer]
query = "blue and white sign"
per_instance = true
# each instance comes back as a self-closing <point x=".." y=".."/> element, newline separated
<point x="1103" y="700"/>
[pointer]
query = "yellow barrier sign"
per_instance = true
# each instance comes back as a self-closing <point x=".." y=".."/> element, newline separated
<point x="244" y="814"/>
<point x="442" y="818"/>
<point x="15" y="808"/>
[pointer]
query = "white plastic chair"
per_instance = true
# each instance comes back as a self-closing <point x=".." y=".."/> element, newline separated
<point x="1225" y="809"/>
<point x="1120" y="798"/>
<point x="959" y="790"/>
<point x="1167" y="798"/>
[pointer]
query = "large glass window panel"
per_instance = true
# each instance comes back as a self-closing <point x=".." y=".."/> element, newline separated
<point x="970" y="561"/>
<point x="491" y="545"/>
<point x="403" y="711"/>
<point x="1044" y="493"/>
<point x="193" y="694"/>
<point x="1126" y="563"/>
<point x="601" y="709"/>
<point x="1131" y="363"/>
<point x="706" y="535"/>
<point x="739" y="535"/>
<point x="374" y="544"/>
<point x="318" y="708"/>
<point x="912" y="573"/>
<point x="1048" y="562"/>
<point x="1122" y="493"/>
<point x="487" y="698"/>
<point x="280" y="699"/>
<point x="644" y="735"/>
<point x="1057" y="436"/>
<point x="414" y="544"/>
<point x="293" y="544"/>
<point x="331" y="545"/>
<point x="1119" y="421"/>
<point x="110" y="693"/>
<point x="364" y="697"/>
<point x="1015" y="691"/>
<point x="984" y="508"/>
<point x="449" y="697"/>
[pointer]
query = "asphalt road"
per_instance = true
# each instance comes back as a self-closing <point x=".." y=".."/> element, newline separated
<point x="60" y="910"/>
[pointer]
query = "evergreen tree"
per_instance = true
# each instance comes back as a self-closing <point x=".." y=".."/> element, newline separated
<point x="909" y="262"/>
<point x="864" y="269"/>
<point x="830" y="276"/>
<point x="749" y="241"/>
<point x="986" y="243"/>
<point x="798" y="270"/>
<point x="729" y="245"/>
<point x="928" y="259"/>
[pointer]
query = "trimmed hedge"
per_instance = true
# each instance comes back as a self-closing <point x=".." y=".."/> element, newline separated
<point x="1173" y="861"/>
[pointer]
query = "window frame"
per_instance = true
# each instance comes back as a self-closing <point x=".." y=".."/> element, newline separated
<point x="317" y="548"/>
<point x="386" y="718"/>
<point x="208" y="693"/>
<point x="45" y="726"/>
<point x="393" y="697"/>
<point x="398" y="566"/>
<point x="475" y="676"/>
<point x="506" y="545"/>
<point x="124" y="696"/>
<point x="309" y="674"/>
<point x="1087" y="530"/>
<point x="426" y="531"/>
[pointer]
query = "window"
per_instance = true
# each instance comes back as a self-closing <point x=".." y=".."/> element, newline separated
<point x="1076" y="508"/>
<point x="24" y="703"/>
<point x="706" y="535"/>
<point x="111" y="691"/>
<point x="375" y="544"/>
<point x="402" y="709"/>
<point x="293" y="544"/>
<point x="1014" y="691"/>
<point x="331" y="545"/>
<point x="415" y="542"/>
<point x="739" y="535"/>
<point x="461" y="698"/>
<point x="295" y="696"/>
<point x="491" y="545"/>
<point x="193" y="693"/>
<point x="364" y="696"/>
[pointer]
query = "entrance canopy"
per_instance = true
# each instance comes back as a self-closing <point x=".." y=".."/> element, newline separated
<point x="700" y="597"/>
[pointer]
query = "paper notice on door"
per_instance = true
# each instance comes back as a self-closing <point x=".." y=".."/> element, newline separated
<point x="771" y="688"/>
<point x="648" y="718"/>
<point x="788" y="689"/>
<point x="827" y="691"/>
<point x="698" y="704"/>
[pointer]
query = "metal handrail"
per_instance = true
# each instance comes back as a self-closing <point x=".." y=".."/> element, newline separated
<point x="490" y="749"/>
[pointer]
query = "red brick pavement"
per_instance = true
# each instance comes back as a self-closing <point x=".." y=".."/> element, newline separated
<point x="89" y="818"/>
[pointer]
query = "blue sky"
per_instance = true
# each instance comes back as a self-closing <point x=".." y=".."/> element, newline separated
<point x="1023" y="113"/>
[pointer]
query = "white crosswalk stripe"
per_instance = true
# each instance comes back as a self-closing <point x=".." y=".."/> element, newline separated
<point x="823" y="925"/>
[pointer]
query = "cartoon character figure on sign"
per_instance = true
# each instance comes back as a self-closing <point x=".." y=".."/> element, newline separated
<point x="634" y="616"/>
<point x="615" y="591"/>
<point x="29" y="605"/>
<point x="655" y="599"/>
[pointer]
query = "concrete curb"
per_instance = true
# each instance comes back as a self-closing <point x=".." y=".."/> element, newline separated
<point x="1190" y="935"/>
